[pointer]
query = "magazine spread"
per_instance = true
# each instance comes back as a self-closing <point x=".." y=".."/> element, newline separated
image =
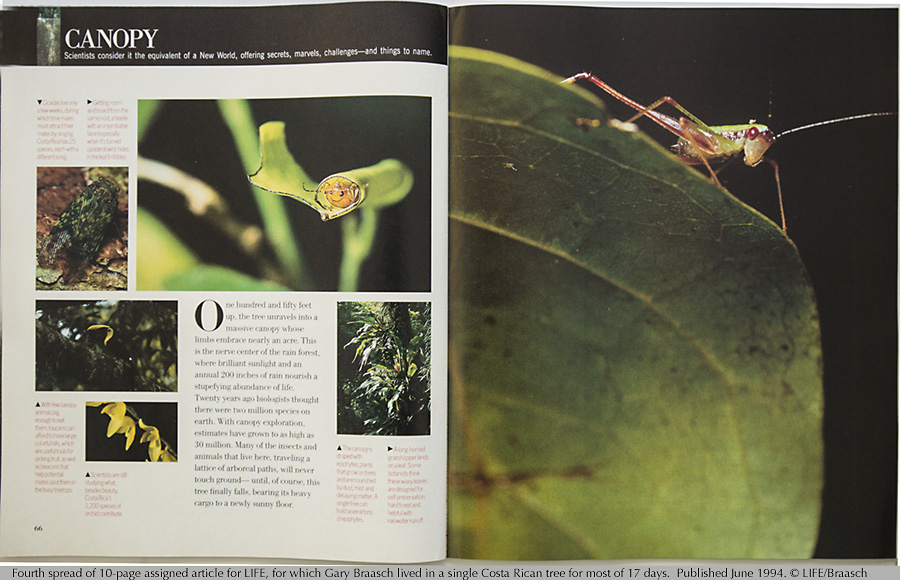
<point x="207" y="375"/>
<point x="400" y="282"/>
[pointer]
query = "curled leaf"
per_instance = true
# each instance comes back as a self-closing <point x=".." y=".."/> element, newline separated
<point x="379" y="185"/>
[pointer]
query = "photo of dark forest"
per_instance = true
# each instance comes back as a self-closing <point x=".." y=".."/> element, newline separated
<point x="384" y="368"/>
<point x="106" y="345"/>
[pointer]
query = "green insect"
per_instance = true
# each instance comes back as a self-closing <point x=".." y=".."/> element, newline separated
<point x="699" y="143"/>
<point x="76" y="238"/>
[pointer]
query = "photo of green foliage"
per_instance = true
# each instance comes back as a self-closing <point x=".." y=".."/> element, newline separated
<point x="130" y="431"/>
<point x="384" y="368"/>
<point x="106" y="345"/>
<point x="285" y="194"/>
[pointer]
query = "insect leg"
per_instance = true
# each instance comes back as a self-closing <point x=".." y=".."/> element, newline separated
<point x="697" y="122"/>
<point x="663" y="120"/>
<point x="778" y="186"/>
<point x="692" y="129"/>
<point x="691" y="137"/>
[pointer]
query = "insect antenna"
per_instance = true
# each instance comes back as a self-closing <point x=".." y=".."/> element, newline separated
<point x="829" y="122"/>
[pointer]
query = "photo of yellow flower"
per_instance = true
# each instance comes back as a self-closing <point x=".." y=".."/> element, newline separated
<point x="105" y="421"/>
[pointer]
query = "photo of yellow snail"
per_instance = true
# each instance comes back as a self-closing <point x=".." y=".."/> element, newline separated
<point x="82" y="228"/>
<point x="131" y="431"/>
<point x="285" y="194"/>
<point x="106" y="345"/>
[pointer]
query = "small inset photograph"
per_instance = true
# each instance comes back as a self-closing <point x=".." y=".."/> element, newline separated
<point x="307" y="194"/>
<point x="384" y="368"/>
<point x="106" y="345"/>
<point x="82" y="228"/>
<point x="128" y="431"/>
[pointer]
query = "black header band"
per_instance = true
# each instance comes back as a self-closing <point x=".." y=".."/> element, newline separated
<point x="357" y="31"/>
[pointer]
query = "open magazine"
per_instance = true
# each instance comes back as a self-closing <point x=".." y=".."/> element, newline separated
<point x="321" y="282"/>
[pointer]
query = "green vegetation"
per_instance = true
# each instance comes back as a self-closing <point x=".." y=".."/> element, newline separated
<point x="384" y="368"/>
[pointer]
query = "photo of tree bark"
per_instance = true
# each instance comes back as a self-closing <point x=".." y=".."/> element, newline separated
<point x="384" y="368"/>
<point x="106" y="345"/>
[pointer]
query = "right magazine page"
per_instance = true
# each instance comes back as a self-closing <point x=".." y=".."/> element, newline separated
<point x="654" y="360"/>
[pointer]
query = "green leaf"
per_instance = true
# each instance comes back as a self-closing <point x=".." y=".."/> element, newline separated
<point x="379" y="185"/>
<point x="147" y="111"/>
<point x="238" y="116"/>
<point x="159" y="253"/>
<point x="635" y="357"/>
<point x="210" y="277"/>
<point x="165" y="263"/>
<point x="279" y="172"/>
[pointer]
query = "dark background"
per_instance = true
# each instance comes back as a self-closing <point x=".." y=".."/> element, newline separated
<point x="258" y="28"/>
<point x="786" y="68"/>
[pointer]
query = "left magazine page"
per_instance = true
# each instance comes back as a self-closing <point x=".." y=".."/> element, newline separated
<point x="224" y="280"/>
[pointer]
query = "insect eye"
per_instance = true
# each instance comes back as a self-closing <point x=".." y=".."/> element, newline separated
<point x="753" y="133"/>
